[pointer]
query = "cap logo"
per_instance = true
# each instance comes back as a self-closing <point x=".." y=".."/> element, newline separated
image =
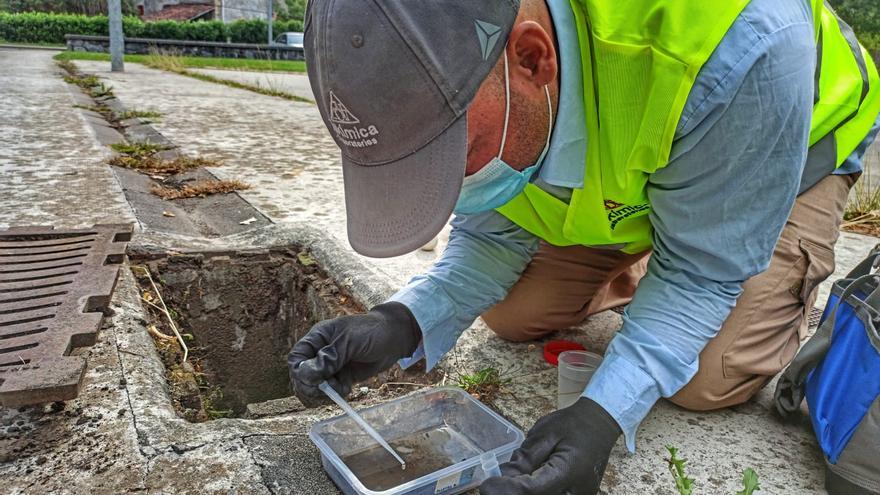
<point x="488" y="35"/>
<point x="344" y="125"/>
<point x="339" y="113"/>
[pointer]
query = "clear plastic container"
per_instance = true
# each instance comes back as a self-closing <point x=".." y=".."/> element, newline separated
<point x="575" y="370"/>
<point x="450" y="442"/>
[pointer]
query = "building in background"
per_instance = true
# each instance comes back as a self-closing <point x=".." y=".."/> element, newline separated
<point x="197" y="10"/>
<point x="233" y="10"/>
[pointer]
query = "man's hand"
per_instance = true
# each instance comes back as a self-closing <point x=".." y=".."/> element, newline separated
<point x="564" y="453"/>
<point x="351" y="349"/>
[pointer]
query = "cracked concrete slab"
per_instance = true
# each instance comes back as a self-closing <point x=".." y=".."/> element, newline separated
<point x="225" y="467"/>
<point x="290" y="464"/>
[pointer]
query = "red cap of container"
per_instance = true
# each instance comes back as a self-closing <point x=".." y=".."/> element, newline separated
<point x="553" y="348"/>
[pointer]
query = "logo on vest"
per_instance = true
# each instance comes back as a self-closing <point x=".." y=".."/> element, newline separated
<point x="610" y="205"/>
<point x="618" y="212"/>
<point x="346" y="126"/>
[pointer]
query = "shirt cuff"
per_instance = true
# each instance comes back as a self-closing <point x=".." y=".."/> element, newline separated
<point x="417" y="356"/>
<point x="431" y="309"/>
<point x="626" y="392"/>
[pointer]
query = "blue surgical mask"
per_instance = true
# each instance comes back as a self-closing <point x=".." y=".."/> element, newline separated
<point x="497" y="182"/>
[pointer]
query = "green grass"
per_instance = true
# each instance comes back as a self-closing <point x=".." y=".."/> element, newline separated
<point x="259" y="65"/>
<point x="137" y="149"/>
<point x="140" y="114"/>
<point x="485" y="384"/>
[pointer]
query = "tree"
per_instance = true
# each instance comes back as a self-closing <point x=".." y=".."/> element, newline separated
<point x="862" y="15"/>
<point x="290" y="10"/>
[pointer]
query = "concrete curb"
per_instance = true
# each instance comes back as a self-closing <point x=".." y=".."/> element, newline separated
<point x="12" y="46"/>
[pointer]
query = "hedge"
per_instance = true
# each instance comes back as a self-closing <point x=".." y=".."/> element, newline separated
<point x="872" y="43"/>
<point x="50" y="28"/>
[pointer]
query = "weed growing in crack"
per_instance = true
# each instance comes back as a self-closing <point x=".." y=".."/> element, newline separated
<point x="142" y="157"/>
<point x="140" y="114"/>
<point x="485" y="384"/>
<point x="66" y="65"/>
<point x="91" y="84"/>
<point x="684" y="484"/>
<point x="199" y="189"/>
<point x="100" y="90"/>
<point x="93" y="108"/>
<point x="211" y="397"/>
<point x="137" y="150"/>
<point x="154" y="165"/>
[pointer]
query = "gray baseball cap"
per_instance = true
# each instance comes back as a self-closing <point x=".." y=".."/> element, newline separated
<point x="393" y="80"/>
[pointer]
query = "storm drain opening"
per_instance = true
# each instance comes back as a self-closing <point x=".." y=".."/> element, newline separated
<point x="238" y="315"/>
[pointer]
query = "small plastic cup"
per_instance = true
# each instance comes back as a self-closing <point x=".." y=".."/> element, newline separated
<point x="575" y="370"/>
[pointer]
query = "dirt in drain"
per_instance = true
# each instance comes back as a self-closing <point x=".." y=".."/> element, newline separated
<point x="239" y="315"/>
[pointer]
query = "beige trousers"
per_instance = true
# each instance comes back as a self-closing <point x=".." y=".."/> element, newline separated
<point x="562" y="286"/>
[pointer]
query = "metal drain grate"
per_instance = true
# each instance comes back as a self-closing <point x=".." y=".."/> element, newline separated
<point x="54" y="286"/>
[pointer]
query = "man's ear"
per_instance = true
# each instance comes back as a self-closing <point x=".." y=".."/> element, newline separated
<point x="532" y="55"/>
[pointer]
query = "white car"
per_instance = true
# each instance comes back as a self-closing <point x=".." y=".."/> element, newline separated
<point x="290" y="39"/>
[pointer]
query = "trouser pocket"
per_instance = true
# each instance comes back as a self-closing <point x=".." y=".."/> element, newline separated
<point x="769" y="319"/>
<point x="820" y="265"/>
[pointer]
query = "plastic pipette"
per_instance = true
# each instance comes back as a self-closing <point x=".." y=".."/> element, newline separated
<point x="327" y="389"/>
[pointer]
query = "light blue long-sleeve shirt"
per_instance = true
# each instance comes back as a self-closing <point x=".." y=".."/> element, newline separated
<point x="718" y="209"/>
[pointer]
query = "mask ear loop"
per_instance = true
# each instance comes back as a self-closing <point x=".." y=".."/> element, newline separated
<point x="507" y="109"/>
<point x="506" y="104"/>
<point x="550" y="115"/>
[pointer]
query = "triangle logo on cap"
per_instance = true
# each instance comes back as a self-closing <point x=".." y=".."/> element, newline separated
<point x="339" y="113"/>
<point x="488" y="35"/>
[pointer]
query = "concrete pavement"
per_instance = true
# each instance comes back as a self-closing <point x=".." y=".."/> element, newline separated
<point x="51" y="166"/>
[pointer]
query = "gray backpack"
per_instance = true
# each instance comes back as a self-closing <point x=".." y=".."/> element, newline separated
<point x="838" y="372"/>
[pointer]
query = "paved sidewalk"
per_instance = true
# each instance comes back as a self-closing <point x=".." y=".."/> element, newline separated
<point x="51" y="165"/>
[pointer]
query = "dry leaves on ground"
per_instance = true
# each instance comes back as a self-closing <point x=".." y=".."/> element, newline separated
<point x="199" y="189"/>
<point x="155" y="165"/>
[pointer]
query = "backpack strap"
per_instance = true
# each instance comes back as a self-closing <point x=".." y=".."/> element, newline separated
<point x="867" y="265"/>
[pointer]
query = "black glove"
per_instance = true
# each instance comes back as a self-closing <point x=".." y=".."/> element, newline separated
<point x="564" y="453"/>
<point x="351" y="349"/>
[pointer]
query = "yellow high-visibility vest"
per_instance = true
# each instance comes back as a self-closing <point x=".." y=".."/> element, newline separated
<point x="640" y="61"/>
